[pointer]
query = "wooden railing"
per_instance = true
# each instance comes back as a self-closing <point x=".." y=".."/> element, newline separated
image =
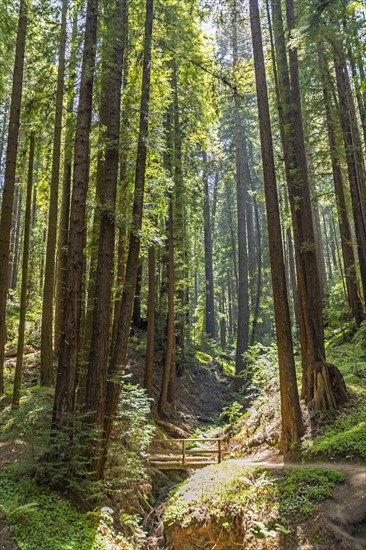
<point x="181" y="454"/>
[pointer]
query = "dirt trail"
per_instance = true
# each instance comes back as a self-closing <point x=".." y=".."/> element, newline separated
<point x="342" y="517"/>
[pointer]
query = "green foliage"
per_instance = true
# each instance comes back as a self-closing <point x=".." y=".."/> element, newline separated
<point x="269" y="500"/>
<point x="133" y="432"/>
<point x="301" y="489"/>
<point x="336" y="311"/>
<point x="346" y="435"/>
<point x="232" y="412"/>
<point x="39" y="518"/>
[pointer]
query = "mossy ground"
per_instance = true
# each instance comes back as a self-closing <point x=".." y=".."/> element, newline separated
<point x="237" y="503"/>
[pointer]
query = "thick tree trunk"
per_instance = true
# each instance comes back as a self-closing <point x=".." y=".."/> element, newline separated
<point x="96" y="378"/>
<point x="210" y="296"/>
<point x="24" y="290"/>
<point x="70" y="334"/>
<point x="49" y="277"/>
<point x="309" y="288"/>
<point x="119" y="352"/>
<point x="292" y="425"/>
<point x="9" y="180"/>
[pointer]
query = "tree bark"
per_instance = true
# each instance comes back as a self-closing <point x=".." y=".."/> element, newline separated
<point x="209" y="276"/>
<point x="292" y="425"/>
<point x="242" y="341"/>
<point x="149" y="364"/>
<point x="344" y="227"/>
<point x="353" y="167"/>
<point x="96" y="378"/>
<point x="70" y="337"/>
<point x="66" y="192"/>
<point x="10" y="169"/>
<point x="309" y="288"/>
<point x="24" y="290"/>
<point x="49" y="276"/>
<point x="119" y="352"/>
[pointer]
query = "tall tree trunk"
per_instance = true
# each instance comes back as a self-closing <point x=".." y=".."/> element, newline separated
<point x="241" y="160"/>
<point x="292" y="425"/>
<point x="349" y="261"/>
<point x="209" y="277"/>
<point x="24" y="290"/>
<point x="69" y="343"/>
<point x="322" y="384"/>
<point x="259" y="275"/>
<point x="63" y="231"/>
<point x="49" y="277"/>
<point x="149" y="364"/>
<point x="119" y="352"/>
<point x="179" y="215"/>
<point x="352" y="166"/>
<point x="15" y="260"/>
<point x="9" y="180"/>
<point x="168" y="380"/>
<point x="96" y="379"/>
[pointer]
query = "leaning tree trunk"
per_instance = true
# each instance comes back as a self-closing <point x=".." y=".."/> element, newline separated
<point x="49" y="276"/>
<point x="69" y="343"/>
<point x="292" y="425"/>
<point x="9" y="180"/>
<point x="119" y="352"/>
<point x="24" y="290"/>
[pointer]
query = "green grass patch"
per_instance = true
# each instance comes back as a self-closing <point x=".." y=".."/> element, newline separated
<point x="39" y="518"/>
<point x="226" y="493"/>
<point x="346" y="436"/>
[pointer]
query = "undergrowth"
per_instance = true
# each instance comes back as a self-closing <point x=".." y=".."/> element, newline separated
<point x="246" y="502"/>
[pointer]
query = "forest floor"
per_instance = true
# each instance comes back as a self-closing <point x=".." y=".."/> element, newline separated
<point x="253" y="508"/>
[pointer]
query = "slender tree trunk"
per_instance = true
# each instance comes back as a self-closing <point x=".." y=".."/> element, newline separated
<point x="24" y="290"/>
<point x="119" y="352"/>
<point x="242" y="341"/>
<point x="292" y="425"/>
<point x="49" y="277"/>
<point x="168" y="380"/>
<point x="344" y="227"/>
<point x="9" y="180"/>
<point x="353" y="169"/>
<point x="149" y="365"/>
<point x="69" y="343"/>
<point x="259" y="275"/>
<point x="210" y="296"/>
<point x="66" y="192"/>
<point x="15" y="260"/>
<point x="170" y="344"/>
<point x="179" y="215"/>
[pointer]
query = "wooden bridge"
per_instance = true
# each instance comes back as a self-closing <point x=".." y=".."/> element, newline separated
<point x="181" y="454"/>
